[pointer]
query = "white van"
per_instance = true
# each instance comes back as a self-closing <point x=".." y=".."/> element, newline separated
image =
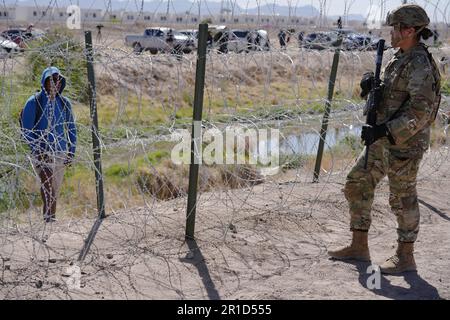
<point x="248" y="40"/>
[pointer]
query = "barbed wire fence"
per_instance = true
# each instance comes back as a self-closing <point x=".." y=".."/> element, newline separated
<point x="143" y="100"/>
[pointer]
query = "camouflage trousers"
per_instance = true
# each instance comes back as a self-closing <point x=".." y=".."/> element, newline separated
<point x="402" y="173"/>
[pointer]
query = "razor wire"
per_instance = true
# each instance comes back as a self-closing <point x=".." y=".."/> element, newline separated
<point x="144" y="101"/>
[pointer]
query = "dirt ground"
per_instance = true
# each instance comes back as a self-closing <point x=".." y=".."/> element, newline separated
<point x="269" y="241"/>
<point x="265" y="242"/>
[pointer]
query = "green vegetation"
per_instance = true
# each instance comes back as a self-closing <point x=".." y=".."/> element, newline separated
<point x="446" y="87"/>
<point x="134" y="171"/>
<point x="59" y="48"/>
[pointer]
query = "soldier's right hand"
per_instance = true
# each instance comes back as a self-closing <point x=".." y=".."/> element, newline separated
<point x="370" y="134"/>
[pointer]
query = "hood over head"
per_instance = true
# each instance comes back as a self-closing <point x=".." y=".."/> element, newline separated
<point x="50" y="71"/>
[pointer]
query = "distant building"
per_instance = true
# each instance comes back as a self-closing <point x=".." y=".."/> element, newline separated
<point x="53" y="14"/>
<point x="7" y="13"/>
<point x="30" y="14"/>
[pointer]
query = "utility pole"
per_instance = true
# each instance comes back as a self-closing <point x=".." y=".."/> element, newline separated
<point x="258" y="3"/>
<point x="382" y="16"/>
<point x="141" y="12"/>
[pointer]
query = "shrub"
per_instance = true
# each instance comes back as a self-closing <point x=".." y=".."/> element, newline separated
<point x="61" y="49"/>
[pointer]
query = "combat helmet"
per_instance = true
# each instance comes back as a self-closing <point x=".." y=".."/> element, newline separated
<point x="410" y="15"/>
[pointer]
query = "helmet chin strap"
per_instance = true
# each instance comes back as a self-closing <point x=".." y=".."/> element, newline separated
<point x="420" y="30"/>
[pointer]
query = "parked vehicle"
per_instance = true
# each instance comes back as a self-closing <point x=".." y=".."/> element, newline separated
<point x="320" y="40"/>
<point x="192" y="34"/>
<point x="239" y="40"/>
<point x="155" y="40"/>
<point x="21" y="36"/>
<point x="351" y="40"/>
<point x="8" y="47"/>
<point x="355" y="42"/>
<point x="18" y="36"/>
<point x="260" y="40"/>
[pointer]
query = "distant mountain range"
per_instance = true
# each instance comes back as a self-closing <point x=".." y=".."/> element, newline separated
<point x="175" y="6"/>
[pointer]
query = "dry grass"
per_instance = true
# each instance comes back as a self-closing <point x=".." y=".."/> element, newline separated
<point x="171" y="181"/>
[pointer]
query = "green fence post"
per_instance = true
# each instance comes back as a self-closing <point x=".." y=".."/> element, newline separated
<point x="196" y="145"/>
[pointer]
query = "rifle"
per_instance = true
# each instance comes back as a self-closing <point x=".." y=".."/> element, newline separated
<point x="375" y="95"/>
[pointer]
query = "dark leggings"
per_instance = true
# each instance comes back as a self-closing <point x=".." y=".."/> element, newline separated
<point x="48" y="193"/>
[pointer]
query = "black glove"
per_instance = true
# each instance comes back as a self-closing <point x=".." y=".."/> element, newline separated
<point x="370" y="134"/>
<point x="366" y="83"/>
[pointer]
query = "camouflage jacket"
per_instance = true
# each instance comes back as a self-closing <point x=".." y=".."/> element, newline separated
<point x="411" y="97"/>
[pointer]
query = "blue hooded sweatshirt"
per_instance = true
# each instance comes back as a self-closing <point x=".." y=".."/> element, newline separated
<point x="55" y="130"/>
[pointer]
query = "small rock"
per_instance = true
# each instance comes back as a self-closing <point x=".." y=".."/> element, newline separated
<point x="6" y="259"/>
<point x="52" y="260"/>
<point x="39" y="284"/>
<point x="175" y="209"/>
<point x="109" y="256"/>
<point x="7" y="267"/>
<point x="233" y="236"/>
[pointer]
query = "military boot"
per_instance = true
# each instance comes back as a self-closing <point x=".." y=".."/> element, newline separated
<point x="401" y="261"/>
<point x="358" y="249"/>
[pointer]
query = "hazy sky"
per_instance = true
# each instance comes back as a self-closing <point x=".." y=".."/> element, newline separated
<point x="336" y="7"/>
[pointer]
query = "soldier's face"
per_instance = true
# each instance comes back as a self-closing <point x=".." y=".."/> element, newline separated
<point x="401" y="35"/>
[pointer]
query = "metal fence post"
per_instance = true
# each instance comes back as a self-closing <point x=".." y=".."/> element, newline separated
<point x="196" y="154"/>
<point x="323" y="130"/>
<point x="96" y="146"/>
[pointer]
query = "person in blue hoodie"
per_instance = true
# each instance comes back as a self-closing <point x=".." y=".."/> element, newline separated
<point x="49" y="129"/>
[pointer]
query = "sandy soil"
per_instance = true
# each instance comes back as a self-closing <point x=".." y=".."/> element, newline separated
<point x="265" y="242"/>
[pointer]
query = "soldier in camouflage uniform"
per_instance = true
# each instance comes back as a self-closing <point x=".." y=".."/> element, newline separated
<point x="411" y="95"/>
